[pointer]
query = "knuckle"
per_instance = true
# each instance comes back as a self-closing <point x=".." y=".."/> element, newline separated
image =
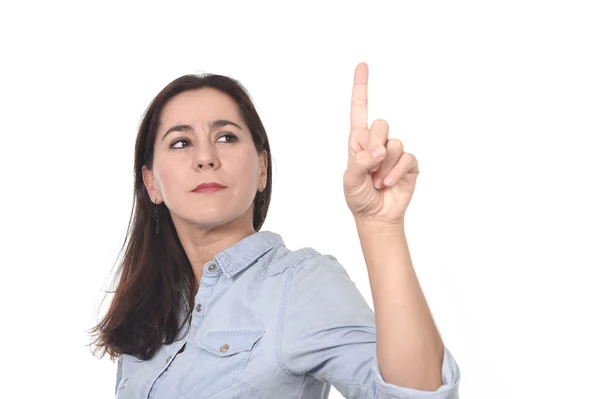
<point x="396" y="145"/>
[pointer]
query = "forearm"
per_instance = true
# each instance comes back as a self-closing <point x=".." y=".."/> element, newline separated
<point x="409" y="347"/>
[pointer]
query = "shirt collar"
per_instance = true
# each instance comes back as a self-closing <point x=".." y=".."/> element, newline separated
<point x="245" y="252"/>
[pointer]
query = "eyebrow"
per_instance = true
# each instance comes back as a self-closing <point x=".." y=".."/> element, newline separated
<point x="189" y="128"/>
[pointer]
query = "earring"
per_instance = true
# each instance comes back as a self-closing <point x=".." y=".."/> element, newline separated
<point x="155" y="216"/>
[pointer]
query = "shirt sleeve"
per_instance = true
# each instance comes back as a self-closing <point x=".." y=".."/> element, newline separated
<point x="328" y="332"/>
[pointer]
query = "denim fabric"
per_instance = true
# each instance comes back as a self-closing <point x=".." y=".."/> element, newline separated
<point x="270" y="322"/>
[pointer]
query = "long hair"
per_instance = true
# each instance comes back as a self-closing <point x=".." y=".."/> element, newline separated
<point x="145" y="310"/>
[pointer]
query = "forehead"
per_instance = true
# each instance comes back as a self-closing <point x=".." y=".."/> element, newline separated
<point x="199" y="107"/>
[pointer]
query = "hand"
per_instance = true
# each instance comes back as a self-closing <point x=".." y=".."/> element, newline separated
<point x="368" y="199"/>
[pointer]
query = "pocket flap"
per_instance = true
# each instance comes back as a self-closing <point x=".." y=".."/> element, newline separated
<point x="229" y="342"/>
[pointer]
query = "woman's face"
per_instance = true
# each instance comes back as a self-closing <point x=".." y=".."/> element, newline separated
<point x="203" y="153"/>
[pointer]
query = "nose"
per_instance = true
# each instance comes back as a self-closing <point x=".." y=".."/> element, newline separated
<point x="206" y="157"/>
<point x="203" y="164"/>
<point x="206" y="163"/>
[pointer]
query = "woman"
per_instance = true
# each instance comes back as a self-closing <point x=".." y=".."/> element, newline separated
<point x="209" y="306"/>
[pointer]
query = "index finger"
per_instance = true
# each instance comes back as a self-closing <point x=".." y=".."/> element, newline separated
<point x="358" y="106"/>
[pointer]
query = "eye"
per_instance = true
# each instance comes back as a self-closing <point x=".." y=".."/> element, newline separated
<point x="232" y="136"/>
<point x="232" y="139"/>
<point x="178" y="141"/>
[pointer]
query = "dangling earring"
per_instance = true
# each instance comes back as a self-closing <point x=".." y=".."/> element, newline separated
<point x="260" y="198"/>
<point x="263" y="188"/>
<point x="155" y="216"/>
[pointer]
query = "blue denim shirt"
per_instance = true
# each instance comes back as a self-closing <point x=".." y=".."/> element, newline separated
<point x="269" y="322"/>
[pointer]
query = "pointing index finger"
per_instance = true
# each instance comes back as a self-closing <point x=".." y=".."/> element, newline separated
<point x="358" y="107"/>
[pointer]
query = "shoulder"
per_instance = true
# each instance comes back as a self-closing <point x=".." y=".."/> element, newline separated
<point x="303" y="261"/>
<point x="319" y="292"/>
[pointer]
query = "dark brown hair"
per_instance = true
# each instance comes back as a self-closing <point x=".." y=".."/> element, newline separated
<point x="145" y="310"/>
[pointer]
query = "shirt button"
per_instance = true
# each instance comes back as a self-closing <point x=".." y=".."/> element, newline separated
<point x="169" y="359"/>
<point x="198" y="307"/>
<point x="212" y="267"/>
<point x="224" y="348"/>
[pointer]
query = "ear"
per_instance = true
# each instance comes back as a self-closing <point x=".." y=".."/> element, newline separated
<point x="264" y="166"/>
<point x="150" y="184"/>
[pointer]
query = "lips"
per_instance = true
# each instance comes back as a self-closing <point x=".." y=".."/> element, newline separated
<point x="211" y="186"/>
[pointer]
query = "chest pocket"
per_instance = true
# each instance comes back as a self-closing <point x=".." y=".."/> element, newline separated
<point x="219" y="357"/>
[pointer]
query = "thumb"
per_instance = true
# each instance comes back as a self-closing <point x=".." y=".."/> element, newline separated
<point x="363" y="163"/>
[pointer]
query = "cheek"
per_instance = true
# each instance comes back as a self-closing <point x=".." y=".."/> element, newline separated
<point x="168" y="179"/>
<point x="248" y="170"/>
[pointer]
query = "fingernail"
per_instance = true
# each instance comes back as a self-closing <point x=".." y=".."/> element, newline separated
<point x="388" y="181"/>
<point x="378" y="184"/>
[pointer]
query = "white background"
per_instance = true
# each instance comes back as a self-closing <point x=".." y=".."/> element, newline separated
<point x="499" y="102"/>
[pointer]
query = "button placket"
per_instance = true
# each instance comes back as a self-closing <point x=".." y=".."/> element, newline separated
<point x="204" y="292"/>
